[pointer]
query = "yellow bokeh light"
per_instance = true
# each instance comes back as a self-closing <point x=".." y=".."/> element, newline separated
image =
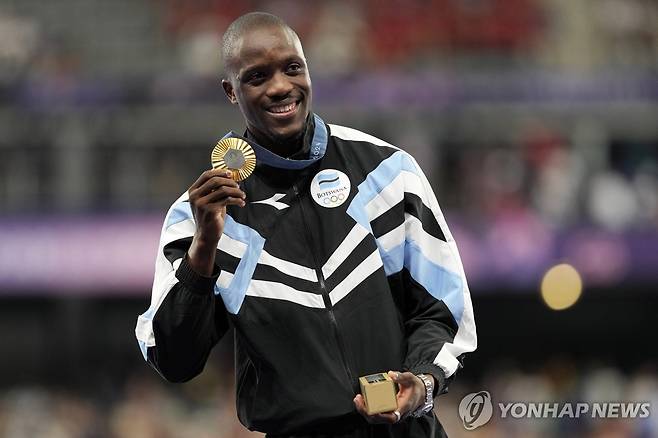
<point x="561" y="287"/>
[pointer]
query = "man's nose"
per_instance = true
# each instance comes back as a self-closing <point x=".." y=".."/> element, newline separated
<point x="279" y="85"/>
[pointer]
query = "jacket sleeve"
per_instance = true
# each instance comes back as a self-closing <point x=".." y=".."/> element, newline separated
<point x="438" y="314"/>
<point x="184" y="320"/>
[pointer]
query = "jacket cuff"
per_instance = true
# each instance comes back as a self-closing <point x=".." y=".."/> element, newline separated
<point x="194" y="282"/>
<point x="440" y="386"/>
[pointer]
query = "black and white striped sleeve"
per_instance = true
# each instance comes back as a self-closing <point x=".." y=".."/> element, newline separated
<point x="184" y="320"/>
<point x="421" y="259"/>
<point x="440" y="321"/>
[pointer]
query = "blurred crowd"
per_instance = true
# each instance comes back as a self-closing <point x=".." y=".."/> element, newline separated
<point x="147" y="408"/>
<point x="88" y="94"/>
<point x="563" y="178"/>
<point x="143" y="408"/>
<point x="341" y="37"/>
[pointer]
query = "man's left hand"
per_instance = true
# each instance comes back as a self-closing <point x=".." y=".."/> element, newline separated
<point x="410" y="396"/>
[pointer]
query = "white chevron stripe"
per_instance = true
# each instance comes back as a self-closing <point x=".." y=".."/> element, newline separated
<point x="232" y="246"/>
<point x="144" y="331"/>
<point x="353" y="134"/>
<point x="279" y="291"/>
<point x="237" y="249"/>
<point x="224" y="279"/>
<point x="274" y="290"/>
<point x="465" y="340"/>
<point x="393" y="193"/>
<point x="363" y="271"/>
<point x="187" y="228"/>
<point x="393" y="238"/>
<point x="430" y="200"/>
<point x="349" y="243"/>
<point x="288" y="268"/>
<point x="435" y="250"/>
<point x="177" y="231"/>
<point x="163" y="282"/>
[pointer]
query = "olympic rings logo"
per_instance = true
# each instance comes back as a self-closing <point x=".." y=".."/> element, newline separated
<point x="333" y="199"/>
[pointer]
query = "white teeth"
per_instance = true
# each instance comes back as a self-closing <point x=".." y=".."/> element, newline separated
<point x="283" y="109"/>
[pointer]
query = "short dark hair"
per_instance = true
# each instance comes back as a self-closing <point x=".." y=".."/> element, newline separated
<point x="241" y="25"/>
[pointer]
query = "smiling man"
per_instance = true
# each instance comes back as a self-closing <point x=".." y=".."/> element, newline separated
<point x="268" y="79"/>
<point x="331" y="261"/>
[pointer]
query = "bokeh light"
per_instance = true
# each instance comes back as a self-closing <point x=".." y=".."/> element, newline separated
<point x="561" y="287"/>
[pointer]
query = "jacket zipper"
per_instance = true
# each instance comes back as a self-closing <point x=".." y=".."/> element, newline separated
<point x="323" y="288"/>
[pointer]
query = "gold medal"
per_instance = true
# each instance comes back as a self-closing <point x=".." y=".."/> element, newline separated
<point x="235" y="155"/>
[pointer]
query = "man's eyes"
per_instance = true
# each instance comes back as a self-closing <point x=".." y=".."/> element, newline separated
<point x="294" y="67"/>
<point x="255" y="76"/>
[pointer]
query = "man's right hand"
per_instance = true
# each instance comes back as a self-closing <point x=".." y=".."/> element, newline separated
<point x="209" y="196"/>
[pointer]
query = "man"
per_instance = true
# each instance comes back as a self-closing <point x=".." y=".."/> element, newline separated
<point x="330" y="262"/>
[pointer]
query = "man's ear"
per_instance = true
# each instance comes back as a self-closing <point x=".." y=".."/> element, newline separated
<point x="229" y="91"/>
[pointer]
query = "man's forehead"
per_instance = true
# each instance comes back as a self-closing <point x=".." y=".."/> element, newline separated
<point x="263" y="40"/>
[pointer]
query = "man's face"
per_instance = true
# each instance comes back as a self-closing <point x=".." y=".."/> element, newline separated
<point x="270" y="82"/>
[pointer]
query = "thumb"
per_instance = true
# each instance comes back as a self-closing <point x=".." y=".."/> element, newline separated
<point x="394" y="375"/>
<point x="403" y="379"/>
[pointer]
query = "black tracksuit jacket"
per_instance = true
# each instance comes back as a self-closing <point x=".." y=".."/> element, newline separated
<point x="339" y="266"/>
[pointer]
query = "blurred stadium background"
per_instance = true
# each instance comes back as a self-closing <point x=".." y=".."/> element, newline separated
<point x="536" y="121"/>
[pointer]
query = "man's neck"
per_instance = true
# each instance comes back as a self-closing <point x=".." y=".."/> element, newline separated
<point x="282" y="147"/>
<point x="296" y="147"/>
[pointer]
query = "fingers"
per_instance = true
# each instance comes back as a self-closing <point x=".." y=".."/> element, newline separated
<point x="385" y="417"/>
<point x="211" y="184"/>
<point x="216" y="186"/>
<point x="212" y="173"/>
<point x="360" y="405"/>
<point x="411" y="391"/>
<point x="225" y="196"/>
<point x="403" y="379"/>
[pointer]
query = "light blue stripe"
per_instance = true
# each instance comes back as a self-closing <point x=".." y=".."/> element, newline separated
<point x="143" y="348"/>
<point x="234" y="294"/>
<point x="375" y="182"/>
<point x="149" y="314"/>
<point x="325" y="178"/>
<point x="393" y="260"/>
<point x="319" y="143"/>
<point x="438" y="281"/>
<point x="181" y="211"/>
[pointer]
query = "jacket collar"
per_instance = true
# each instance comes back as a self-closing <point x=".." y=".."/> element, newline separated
<point x="318" y="147"/>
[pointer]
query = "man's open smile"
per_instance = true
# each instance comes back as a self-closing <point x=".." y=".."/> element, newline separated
<point x="283" y="110"/>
